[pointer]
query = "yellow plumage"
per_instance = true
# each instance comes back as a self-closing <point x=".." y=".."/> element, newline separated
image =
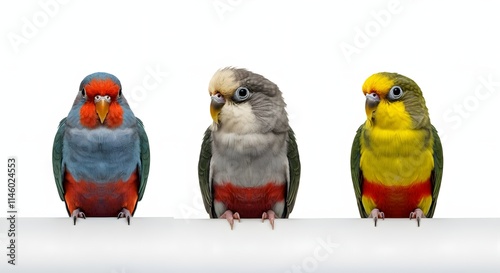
<point x="396" y="157"/>
<point x="393" y="156"/>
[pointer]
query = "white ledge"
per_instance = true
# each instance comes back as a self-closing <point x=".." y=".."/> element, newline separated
<point x="295" y="245"/>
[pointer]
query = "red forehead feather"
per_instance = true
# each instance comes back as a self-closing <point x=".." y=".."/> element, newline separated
<point x="102" y="87"/>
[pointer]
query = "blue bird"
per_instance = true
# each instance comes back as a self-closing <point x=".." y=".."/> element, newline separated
<point x="100" y="155"/>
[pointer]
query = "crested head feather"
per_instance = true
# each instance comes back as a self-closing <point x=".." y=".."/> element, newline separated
<point x="224" y="82"/>
<point x="379" y="83"/>
<point x="101" y="83"/>
<point x="100" y="76"/>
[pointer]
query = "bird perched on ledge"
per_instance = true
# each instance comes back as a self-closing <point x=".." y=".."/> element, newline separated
<point x="396" y="157"/>
<point x="249" y="162"/>
<point x="100" y="155"/>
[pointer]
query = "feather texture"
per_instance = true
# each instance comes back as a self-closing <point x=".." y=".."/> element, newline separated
<point x="108" y="161"/>
<point x="396" y="155"/>
<point x="251" y="151"/>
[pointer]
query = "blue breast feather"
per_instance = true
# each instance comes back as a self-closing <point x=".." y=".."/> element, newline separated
<point x="101" y="155"/>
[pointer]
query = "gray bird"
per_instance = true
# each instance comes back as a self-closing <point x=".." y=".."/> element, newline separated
<point x="249" y="163"/>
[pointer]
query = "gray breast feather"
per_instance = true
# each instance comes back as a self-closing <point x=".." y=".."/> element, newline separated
<point x="249" y="160"/>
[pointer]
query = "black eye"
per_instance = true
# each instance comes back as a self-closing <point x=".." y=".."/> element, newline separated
<point x="120" y="93"/>
<point x="241" y="94"/>
<point x="395" y="93"/>
<point x="84" y="93"/>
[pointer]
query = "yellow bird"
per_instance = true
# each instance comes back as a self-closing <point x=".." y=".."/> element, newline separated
<point x="396" y="156"/>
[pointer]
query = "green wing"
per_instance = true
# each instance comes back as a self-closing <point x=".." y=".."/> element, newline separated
<point x="356" y="173"/>
<point x="145" y="159"/>
<point x="57" y="166"/>
<point x="204" y="172"/>
<point x="294" y="166"/>
<point x="437" y="172"/>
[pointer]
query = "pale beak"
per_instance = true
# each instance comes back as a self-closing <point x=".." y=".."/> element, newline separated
<point x="372" y="100"/>
<point x="216" y="105"/>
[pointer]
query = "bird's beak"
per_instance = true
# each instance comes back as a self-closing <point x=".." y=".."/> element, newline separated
<point x="102" y="108"/>
<point x="216" y="105"/>
<point x="372" y="100"/>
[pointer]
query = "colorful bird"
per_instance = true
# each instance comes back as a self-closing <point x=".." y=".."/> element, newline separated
<point x="100" y="156"/>
<point x="396" y="157"/>
<point x="249" y="163"/>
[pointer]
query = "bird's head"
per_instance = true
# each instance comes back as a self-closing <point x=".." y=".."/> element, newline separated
<point x="394" y="101"/>
<point x="100" y="97"/>
<point x="246" y="102"/>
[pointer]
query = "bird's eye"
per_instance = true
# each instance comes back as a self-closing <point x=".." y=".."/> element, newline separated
<point x="84" y="93"/>
<point x="241" y="94"/>
<point x="120" y="93"/>
<point x="395" y="93"/>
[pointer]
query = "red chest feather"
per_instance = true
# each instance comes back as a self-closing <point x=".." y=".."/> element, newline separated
<point x="101" y="199"/>
<point x="396" y="201"/>
<point x="249" y="202"/>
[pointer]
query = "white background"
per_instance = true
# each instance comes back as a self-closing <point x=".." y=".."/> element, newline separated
<point x="448" y="47"/>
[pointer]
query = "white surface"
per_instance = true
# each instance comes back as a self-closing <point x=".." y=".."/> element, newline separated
<point x="299" y="245"/>
<point x="447" y="47"/>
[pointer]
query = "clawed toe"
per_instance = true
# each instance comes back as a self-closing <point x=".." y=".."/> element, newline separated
<point x="417" y="214"/>
<point x="376" y="214"/>
<point x="269" y="215"/>
<point x="77" y="213"/>
<point x="125" y="213"/>
<point x="230" y="216"/>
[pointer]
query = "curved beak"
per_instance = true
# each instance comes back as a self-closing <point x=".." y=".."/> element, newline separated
<point x="102" y="108"/>
<point x="216" y="105"/>
<point x="372" y="100"/>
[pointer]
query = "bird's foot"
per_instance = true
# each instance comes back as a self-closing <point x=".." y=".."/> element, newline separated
<point x="230" y="216"/>
<point x="376" y="214"/>
<point x="418" y="214"/>
<point x="269" y="215"/>
<point x="77" y="213"/>
<point x="125" y="213"/>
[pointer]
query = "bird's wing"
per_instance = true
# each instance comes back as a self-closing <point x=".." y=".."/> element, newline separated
<point x="356" y="173"/>
<point x="204" y="172"/>
<point x="145" y="158"/>
<point x="57" y="166"/>
<point x="437" y="172"/>
<point x="294" y="169"/>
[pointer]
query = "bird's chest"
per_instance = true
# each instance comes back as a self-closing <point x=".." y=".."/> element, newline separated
<point x="101" y="155"/>
<point x="249" y="161"/>
<point x="396" y="158"/>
